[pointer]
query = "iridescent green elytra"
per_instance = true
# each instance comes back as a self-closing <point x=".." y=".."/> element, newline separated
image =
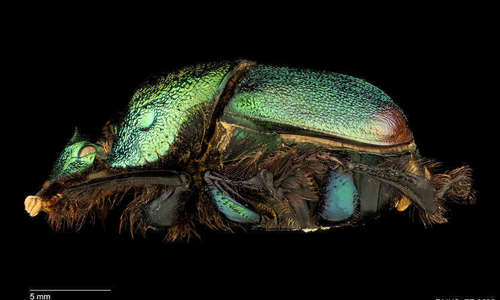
<point x="233" y="144"/>
<point x="321" y="103"/>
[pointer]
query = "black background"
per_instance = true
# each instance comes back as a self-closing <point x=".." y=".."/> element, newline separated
<point x="81" y="69"/>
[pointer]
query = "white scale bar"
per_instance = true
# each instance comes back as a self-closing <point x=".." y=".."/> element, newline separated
<point x="70" y="290"/>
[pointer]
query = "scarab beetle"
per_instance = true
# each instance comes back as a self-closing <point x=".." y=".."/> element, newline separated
<point x="239" y="144"/>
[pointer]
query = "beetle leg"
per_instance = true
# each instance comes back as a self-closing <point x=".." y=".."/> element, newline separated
<point x="220" y="193"/>
<point x="221" y="183"/>
<point x="341" y="197"/>
<point x="249" y="184"/>
<point x="223" y="186"/>
<point x="263" y="181"/>
<point x="416" y="188"/>
<point x="163" y="211"/>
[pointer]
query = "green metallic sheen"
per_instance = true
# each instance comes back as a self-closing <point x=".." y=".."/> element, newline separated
<point x="261" y="141"/>
<point x="233" y="210"/>
<point x="294" y="100"/>
<point x="341" y="197"/>
<point x="69" y="162"/>
<point x="275" y="148"/>
<point x="159" y="112"/>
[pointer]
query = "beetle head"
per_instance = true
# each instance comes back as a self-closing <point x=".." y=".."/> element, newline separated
<point x="77" y="156"/>
<point x="82" y="186"/>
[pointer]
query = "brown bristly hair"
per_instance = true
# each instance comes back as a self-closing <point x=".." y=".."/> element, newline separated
<point x="453" y="186"/>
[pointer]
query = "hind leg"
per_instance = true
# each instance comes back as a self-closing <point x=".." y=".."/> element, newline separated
<point x="340" y="199"/>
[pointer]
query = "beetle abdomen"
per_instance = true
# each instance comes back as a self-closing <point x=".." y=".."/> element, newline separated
<point x="290" y="100"/>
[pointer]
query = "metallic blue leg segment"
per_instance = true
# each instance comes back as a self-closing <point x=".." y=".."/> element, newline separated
<point x="341" y="197"/>
<point x="233" y="210"/>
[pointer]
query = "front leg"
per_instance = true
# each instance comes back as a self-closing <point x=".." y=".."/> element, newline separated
<point x="162" y="211"/>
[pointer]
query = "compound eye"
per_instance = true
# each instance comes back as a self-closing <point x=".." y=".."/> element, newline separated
<point x="86" y="150"/>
